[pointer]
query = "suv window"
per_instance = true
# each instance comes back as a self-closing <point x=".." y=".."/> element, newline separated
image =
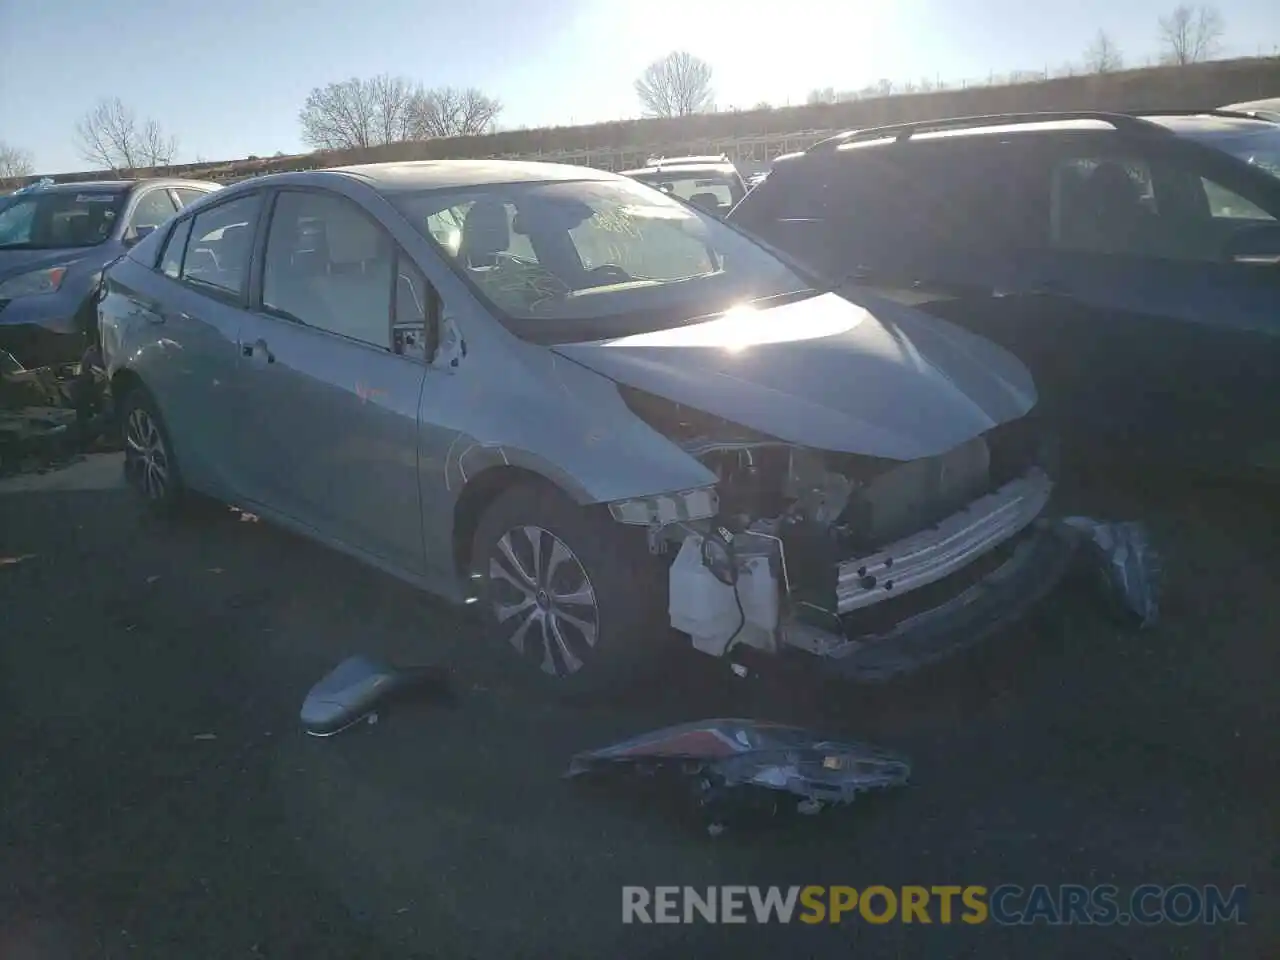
<point x="154" y="208"/>
<point x="897" y="208"/>
<point x="1157" y="207"/>
<point x="329" y="265"/>
<point x="1225" y="204"/>
<point x="1102" y="203"/>
<point x="218" y="247"/>
<point x="188" y="195"/>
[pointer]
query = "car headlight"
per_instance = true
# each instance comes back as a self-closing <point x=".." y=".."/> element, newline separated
<point x="33" y="284"/>
<point x="697" y="504"/>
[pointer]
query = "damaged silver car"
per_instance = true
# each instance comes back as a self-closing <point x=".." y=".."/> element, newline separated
<point x="587" y="408"/>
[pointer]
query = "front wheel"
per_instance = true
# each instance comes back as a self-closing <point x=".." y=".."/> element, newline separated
<point x="149" y="465"/>
<point x="576" y="595"/>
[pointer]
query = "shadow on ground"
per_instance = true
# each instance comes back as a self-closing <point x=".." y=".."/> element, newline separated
<point x="160" y="801"/>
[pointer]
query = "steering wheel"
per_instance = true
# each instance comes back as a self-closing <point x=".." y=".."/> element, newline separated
<point x="611" y="272"/>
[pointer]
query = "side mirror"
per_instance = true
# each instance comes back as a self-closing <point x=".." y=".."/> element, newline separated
<point x="139" y="234"/>
<point x="1258" y="245"/>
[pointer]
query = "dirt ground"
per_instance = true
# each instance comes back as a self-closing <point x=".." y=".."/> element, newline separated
<point x="160" y="800"/>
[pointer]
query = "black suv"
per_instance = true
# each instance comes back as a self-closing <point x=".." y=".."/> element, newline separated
<point x="1132" y="262"/>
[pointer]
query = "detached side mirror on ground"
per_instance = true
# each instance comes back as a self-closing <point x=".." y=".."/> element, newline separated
<point x="1258" y="245"/>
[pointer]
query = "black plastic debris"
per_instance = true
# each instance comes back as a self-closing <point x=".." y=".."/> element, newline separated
<point x="49" y="415"/>
<point x="739" y="768"/>
<point x="356" y="689"/>
<point x="1127" y="565"/>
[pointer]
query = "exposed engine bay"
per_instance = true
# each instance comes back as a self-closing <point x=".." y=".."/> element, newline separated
<point x="806" y="541"/>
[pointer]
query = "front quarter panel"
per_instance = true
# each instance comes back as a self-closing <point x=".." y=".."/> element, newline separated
<point x="510" y="404"/>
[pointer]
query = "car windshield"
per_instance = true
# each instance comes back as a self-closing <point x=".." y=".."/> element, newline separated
<point x="1259" y="148"/>
<point x="591" y="258"/>
<point x="59" y="219"/>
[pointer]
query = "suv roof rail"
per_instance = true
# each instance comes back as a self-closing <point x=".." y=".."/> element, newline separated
<point x="904" y="131"/>
<point x="1216" y="112"/>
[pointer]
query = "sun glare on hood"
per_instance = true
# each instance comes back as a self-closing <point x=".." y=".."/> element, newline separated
<point x="745" y="326"/>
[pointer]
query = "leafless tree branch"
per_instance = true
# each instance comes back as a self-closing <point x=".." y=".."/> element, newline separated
<point x="1103" y="56"/>
<point x="359" y="113"/>
<point x="676" y="86"/>
<point x="1190" y="34"/>
<point x="110" y="136"/>
<point x="453" y="112"/>
<point x="15" y="162"/>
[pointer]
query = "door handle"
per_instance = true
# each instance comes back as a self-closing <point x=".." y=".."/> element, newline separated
<point x="258" y="348"/>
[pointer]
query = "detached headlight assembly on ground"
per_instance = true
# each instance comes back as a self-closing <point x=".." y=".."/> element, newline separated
<point x="33" y="284"/>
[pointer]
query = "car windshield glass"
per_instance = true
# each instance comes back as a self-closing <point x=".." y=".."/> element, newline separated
<point x="710" y="190"/>
<point x="1260" y="148"/>
<point x="596" y="255"/>
<point x="59" y="219"/>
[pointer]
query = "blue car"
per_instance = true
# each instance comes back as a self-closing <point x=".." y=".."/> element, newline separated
<point x="55" y="241"/>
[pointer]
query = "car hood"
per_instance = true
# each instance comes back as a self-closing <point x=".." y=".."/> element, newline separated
<point x="14" y="262"/>
<point x="873" y="377"/>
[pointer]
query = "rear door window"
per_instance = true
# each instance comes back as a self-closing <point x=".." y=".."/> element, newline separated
<point x="219" y="245"/>
<point x="171" y="259"/>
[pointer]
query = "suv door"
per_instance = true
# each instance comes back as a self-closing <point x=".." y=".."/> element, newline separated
<point x="333" y="386"/>
<point x="1176" y="347"/>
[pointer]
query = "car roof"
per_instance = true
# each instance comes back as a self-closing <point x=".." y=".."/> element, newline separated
<point x="1208" y="123"/>
<point x="459" y="174"/>
<point x="697" y="166"/>
<point x="1270" y="105"/>
<point x="121" y="186"/>
<point x="1189" y="123"/>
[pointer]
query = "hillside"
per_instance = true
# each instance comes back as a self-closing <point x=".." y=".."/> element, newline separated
<point x="1195" y="86"/>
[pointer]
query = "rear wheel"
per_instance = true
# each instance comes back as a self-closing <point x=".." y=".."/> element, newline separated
<point x="577" y="596"/>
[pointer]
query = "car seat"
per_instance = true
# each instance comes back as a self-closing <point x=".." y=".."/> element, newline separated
<point x="1112" y="202"/>
<point x="486" y="232"/>
<point x="356" y="286"/>
<point x="707" y="201"/>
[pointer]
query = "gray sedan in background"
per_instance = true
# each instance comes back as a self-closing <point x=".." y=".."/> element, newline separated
<point x="588" y="408"/>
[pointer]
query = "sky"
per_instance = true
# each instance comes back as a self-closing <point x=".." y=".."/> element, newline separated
<point x="227" y="78"/>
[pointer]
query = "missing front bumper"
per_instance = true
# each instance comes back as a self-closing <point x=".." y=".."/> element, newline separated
<point x="934" y="554"/>
<point x="1034" y="565"/>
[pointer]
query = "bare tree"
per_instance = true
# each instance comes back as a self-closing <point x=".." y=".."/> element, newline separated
<point x="15" y="162"/>
<point x="111" y="136"/>
<point x="1103" y="56"/>
<point x="1190" y="34"/>
<point x="676" y="86"/>
<point x="821" y="95"/>
<point x="451" y="112"/>
<point x="359" y="113"/>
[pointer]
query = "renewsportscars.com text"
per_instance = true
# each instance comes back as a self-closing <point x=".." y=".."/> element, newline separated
<point x="1007" y="904"/>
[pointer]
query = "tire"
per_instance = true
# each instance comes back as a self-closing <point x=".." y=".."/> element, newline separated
<point x="150" y="467"/>
<point x="593" y="619"/>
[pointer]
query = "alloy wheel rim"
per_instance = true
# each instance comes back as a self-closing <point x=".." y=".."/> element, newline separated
<point x="146" y="455"/>
<point x="543" y="599"/>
